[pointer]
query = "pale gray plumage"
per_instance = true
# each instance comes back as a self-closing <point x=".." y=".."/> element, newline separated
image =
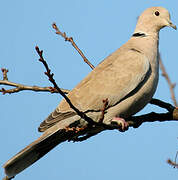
<point x="128" y="78"/>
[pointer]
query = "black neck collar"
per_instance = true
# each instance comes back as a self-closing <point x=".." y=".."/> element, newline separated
<point x="139" y="34"/>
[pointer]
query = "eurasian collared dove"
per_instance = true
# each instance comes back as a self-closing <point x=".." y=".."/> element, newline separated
<point x="127" y="78"/>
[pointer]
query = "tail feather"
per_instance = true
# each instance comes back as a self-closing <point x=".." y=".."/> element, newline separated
<point x="34" y="152"/>
<point x="37" y="149"/>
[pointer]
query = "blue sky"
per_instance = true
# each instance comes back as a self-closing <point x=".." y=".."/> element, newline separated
<point x="99" y="28"/>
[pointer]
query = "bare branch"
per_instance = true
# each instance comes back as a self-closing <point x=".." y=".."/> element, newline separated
<point x="70" y="39"/>
<point x="4" y="72"/>
<point x="174" y="164"/>
<point x="171" y="85"/>
<point x="171" y="115"/>
<point x="22" y="87"/>
<point x="136" y="121"/>
<point x="105" y="104"/>
<point x="162" y="104"/>
<point x="51" y="79"/>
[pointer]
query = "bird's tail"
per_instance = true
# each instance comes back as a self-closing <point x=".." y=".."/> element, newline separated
<point x="34" y="151"/>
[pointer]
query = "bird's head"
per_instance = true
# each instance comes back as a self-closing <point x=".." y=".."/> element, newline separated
<point x="153" y="19"/>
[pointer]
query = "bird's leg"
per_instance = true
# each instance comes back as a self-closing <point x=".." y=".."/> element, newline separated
<point x="123" y="125"/>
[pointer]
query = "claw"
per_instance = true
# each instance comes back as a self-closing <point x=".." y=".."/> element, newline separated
<point x="122" y="123"/>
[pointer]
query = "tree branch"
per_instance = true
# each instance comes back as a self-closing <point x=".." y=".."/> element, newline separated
<point x="137" y="121"/>
<point x="171" y="85"/>
<point x="22" y="87"/>
<point x="105" y="104"/>
<point x="162" y="104"/>
<point x="4" y="72"/>
<point x="51" y="79"/>
<point x="174" y="164"/>
<point x="70" y="39"/>
<point x="171" y="115"/>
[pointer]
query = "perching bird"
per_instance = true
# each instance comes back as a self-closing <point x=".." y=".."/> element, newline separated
<point x="127" y="78"/>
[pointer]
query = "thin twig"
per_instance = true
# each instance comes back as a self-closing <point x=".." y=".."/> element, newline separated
<point x="4" y="72"/>
<point x="176" y="157"/>
<point x="175" y="165"/>
<point x="51" y="79"/>
<point x="70" y="39"/>
<point x="162" y="104"/>
<point x="171" y="85"/>
<point x="22" y="87"/>
<point x="105" y="104"/>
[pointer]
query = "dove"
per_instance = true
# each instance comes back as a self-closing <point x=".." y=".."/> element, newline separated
<point x="127" y="78"/>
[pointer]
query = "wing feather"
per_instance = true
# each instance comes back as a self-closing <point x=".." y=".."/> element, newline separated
<point x="114" y="78"/>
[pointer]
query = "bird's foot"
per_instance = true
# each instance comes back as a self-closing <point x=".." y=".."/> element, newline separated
<point x="123" y="125"/>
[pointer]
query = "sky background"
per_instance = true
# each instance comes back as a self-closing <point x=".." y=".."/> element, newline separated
<point x="99" y="28"/>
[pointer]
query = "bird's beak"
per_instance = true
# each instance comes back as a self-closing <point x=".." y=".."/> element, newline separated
<point x="172" y="25"/>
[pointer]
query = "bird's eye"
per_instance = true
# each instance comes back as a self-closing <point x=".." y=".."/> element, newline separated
<point x="157" y="13"/>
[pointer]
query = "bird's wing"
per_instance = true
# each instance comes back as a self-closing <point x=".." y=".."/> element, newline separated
<point x="114" y="78"/>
